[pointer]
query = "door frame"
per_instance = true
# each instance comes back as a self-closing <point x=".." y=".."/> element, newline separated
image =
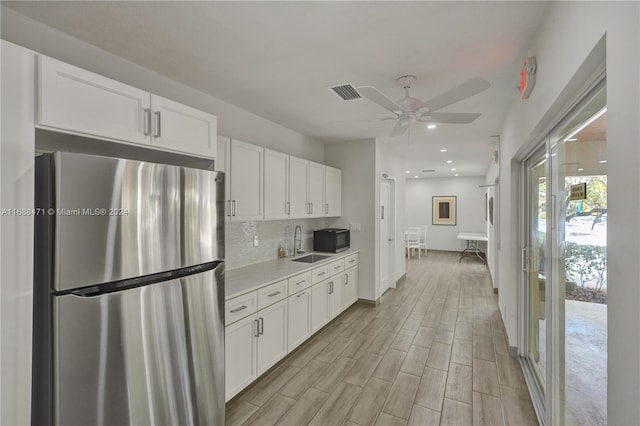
<point x="393" y="246"/>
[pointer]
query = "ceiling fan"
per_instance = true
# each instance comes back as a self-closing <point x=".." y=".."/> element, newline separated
<point x="410" y="110"/>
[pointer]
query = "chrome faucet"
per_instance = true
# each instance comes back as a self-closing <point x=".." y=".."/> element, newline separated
<point x="297" y="243"/>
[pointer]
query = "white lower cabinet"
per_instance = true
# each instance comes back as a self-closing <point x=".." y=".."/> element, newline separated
<point x="299" y="318"/>
<point x="336" y="302"/>
<point x="320" y="305"/>
<point x="240" y="353"/>
<point x="272" y="340"/>
<point x="254" y="344"/>
<point x="290" y="311"/>
<point x="350" y="287"/>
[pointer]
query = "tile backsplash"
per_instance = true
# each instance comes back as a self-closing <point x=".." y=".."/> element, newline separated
<point x="271" y="234"/>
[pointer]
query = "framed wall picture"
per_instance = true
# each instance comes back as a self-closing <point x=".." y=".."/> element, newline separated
<point x="444" y="211"/>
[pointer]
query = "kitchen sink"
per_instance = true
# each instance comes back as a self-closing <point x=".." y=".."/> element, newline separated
<point x="311" y="258"/>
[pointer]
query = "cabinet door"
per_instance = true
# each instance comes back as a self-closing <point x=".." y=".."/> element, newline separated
<point x="246" y="181"/>
<point x="336" y="304"/>
<point x="316" y="189"/>
<point x="272" y="343"/>
<point x="319" y="305"/>
<point x="276" y="185"/>
<point x="332" y="191"/>
<point x="299" y="318"/>
<point x="350" y="287"/>
<point x="298" y="187"/>
<point x="75" y="100"/>
<point x="240" y="355"/>
<point x="178" y="127"/>
<point x="223" y="164"/>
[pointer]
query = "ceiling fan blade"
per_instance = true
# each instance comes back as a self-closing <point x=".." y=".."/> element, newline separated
<point x="398" y="129"/>
<point x="378" y="97"/>
<point x="463" y="91"/>
<point x="450" y="117"/>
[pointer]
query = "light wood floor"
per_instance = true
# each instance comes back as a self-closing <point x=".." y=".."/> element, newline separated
<point x="433" y="352"/>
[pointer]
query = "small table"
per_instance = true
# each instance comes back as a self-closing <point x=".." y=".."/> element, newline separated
<point x="473" y="239"/>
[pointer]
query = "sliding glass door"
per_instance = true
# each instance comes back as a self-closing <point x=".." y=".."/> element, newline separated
<point x="564" y="267"/>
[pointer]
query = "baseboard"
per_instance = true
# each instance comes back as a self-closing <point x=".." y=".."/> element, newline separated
<point x="513" y="351"/>
<point x="369" y="302"/>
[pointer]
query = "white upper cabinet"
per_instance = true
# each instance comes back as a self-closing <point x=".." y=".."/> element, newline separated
<point x="179" y="127"/>
<point x="316" y="189"/>
<point x="332" y="191"/>
<point x="223" y="164"/>
<point x="74" y="100"/>
<point x="276" y="185"/>
<point x="246" y="183"/>
<point x="298" y="187"/>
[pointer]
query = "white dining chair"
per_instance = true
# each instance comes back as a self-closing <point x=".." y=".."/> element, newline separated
<point x="412" y="241"/>
<point x="423" y="241"/>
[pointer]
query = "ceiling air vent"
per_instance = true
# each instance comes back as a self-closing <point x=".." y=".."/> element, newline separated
<point x="428" y="171"/>
<point x="346" y="92"/>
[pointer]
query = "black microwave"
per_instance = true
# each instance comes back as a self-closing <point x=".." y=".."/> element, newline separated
<point x="331" y="240"/>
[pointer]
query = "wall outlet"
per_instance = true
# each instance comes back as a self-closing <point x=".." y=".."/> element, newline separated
<point x="355" y="227"/>
<point x="256" y="242"/>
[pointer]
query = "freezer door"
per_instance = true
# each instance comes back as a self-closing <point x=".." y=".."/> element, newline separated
<point x="151" y="355"/>
<point x="117" y="219"/>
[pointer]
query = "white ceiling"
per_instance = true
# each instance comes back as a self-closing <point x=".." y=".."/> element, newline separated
<point x="276" y="60"/>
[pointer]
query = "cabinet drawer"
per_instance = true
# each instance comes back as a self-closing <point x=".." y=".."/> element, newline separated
<point x="336" y="267"/>
<point x="351" y="260"/>
<point x="319" y="274"/>
<point x="240" y="307"/>
<point x="272" y="294"/>
<point x="299" y="282"/>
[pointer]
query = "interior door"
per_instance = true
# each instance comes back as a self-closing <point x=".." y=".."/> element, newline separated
<point x="385" y="191"/>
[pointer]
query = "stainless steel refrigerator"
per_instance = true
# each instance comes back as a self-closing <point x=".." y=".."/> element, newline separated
<point x="129" y="293"/>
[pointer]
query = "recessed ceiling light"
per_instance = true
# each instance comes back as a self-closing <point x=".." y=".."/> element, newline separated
<point x="457" y="174"/>
<point x="449" y="161"/>
<point x="603" y="161"/>
<point x="408" y="171"/>
<point x="431" y="126"/>
<point x="416" y="176"/>
<point x="581" y="169"/>
<point x="443" y="150"/>
<point x="453" y="170"/>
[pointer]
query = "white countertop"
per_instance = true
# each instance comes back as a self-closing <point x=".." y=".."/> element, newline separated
<point x="250" y="278"/>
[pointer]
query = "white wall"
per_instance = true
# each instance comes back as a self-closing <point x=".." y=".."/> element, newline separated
<point x="389" y="161"/>
<point x="357" y="161"/>
<point x="232" y="121"/>
<point x="470" y="205"/>
<point x="16" y="273"/>
<point x="564" y="47"/>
